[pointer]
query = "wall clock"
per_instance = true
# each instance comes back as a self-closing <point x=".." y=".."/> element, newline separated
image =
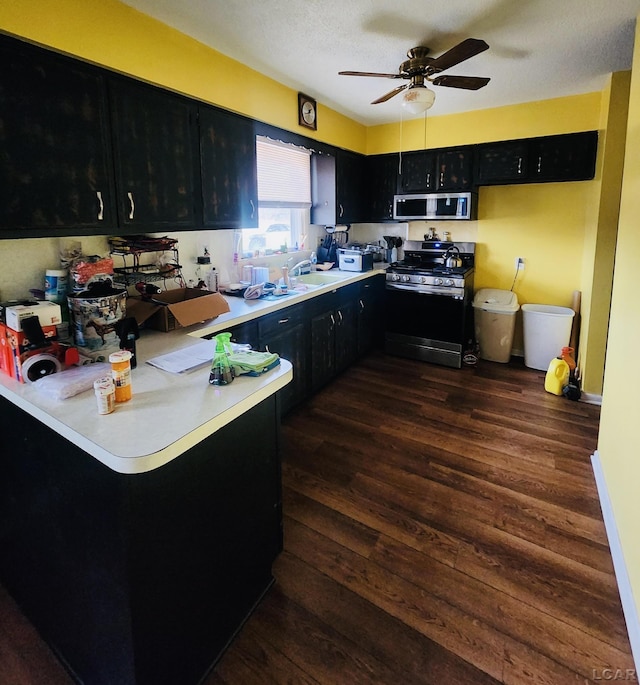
<point x="307" y="112"/>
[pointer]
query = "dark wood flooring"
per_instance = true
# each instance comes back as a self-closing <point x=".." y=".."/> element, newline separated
<point x="441" y="526"/>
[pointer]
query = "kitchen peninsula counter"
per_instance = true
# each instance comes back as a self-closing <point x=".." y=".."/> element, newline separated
<point x="138" y="542"/>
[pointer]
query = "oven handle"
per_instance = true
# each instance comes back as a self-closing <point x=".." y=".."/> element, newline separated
<point x="418" y="291"/>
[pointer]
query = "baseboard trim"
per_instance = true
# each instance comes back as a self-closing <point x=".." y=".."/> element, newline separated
<point x="591" y="398"/>
<point x="620" y="568"/>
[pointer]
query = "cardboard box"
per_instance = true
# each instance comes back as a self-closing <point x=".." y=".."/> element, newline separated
<point x="48" y="313"/>
<point x="17" y="354"/>
<point x="184" y="307"/>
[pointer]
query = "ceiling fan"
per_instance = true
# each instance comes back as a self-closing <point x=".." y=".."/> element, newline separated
<point x="420" y="68"/>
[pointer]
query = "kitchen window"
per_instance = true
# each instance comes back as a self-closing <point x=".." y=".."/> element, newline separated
<point x="284" y="199"/>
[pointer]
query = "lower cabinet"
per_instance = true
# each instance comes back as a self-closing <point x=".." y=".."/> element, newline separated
<point x="334" y="330"/>
<point x="320" y="337"/>
<point x="285" y="333"/>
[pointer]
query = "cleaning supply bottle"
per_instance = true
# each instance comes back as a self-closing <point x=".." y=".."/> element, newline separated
<point x="557" y="376"/>
<point x="221" y="371"/>
<point x="567" y="355"/>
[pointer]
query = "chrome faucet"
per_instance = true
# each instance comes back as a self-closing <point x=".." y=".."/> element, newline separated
<point x="299" y="266"/>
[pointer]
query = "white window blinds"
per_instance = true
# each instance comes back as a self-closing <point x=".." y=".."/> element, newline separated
<point x="284" y="174"/>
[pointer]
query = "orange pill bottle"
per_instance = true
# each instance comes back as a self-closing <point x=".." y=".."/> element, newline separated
<point x="121" y="374"/>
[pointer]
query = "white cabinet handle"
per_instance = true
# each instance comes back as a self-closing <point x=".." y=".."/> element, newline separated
<point x="519" y="165"/>
<point x="100" y="206"/>
<point x="132" y="205"/>
<point x="539" y="164"/>
<point x="253" y="209"/>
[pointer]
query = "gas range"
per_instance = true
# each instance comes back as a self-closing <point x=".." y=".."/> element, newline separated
<point x="428" y="306"/>
<point x="423" y="269"/>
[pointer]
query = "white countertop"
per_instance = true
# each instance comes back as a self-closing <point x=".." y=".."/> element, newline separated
<point x="245" y="310"/>
<point x="169" y="413"/>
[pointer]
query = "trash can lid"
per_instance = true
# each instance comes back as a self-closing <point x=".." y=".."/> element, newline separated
<point x="494" y="300"/>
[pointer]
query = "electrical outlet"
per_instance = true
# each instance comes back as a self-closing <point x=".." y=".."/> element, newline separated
<point x="519" y="263"/>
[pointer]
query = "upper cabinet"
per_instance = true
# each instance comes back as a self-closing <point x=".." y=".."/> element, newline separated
<point x="569" y="157"/>
<point x="155" y="156"/>
<point x="454" y="168"/>
<point x="381" y="186"/>
<point x="426" y="171"/>
<point x="350" y="187"/>
<point x="228" y="169"/>
<point x="338" y="188"/>
<point x="417" y="171"/>
<point x="503" y="162"/>
<point x="566" y="157"/>
<point x="55" y="166"/>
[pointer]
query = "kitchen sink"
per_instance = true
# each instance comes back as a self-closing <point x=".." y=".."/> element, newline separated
<point x="319" y="278"/>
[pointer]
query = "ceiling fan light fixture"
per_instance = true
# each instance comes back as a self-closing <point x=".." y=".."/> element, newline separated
<point x="418" y="99"/>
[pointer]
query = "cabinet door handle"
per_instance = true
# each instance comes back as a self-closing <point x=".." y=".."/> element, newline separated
<point x="428" y="179"/>
<point x="341" y="210"/>
<point x="131" y="205"/>
<point x="340" y="317"/>
<point x="282" y="321"/>
<point x="253" y="209"/>
<point x="519" y="165"/>
<point x="333" y="321"/>
<point x="361" y="305"/>
<point x="539" y="163"/>
<point x="442" y="178"/>
<point x="100" y="206"/>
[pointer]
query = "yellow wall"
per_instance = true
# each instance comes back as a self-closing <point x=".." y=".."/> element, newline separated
<point x="618" y="442"/>
<point x="550" y="225"/>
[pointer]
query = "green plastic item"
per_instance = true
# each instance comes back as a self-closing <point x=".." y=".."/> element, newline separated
<point x="221" y="369"/>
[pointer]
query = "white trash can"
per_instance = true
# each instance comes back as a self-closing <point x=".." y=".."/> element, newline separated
<point x="495" y="321"/>
<point x="547" y="329"/>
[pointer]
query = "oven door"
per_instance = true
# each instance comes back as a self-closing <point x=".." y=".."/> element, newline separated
<point x="426" y="326"/>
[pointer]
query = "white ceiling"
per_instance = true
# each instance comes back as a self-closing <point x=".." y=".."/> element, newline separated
<point x="539" y="49"/>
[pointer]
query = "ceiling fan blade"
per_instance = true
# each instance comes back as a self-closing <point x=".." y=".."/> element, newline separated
<point x="459" y="53"/>
<point x="390" y="94"/>
<point x="466" y="82"/>
<point x="368" y="73"/>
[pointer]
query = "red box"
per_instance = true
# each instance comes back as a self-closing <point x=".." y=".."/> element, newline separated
<point x="17" y="357"/>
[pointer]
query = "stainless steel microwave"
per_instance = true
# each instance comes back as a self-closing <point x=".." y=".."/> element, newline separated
<point x="435" y="206"/>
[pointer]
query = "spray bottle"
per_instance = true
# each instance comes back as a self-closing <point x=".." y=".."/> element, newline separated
<point x="221" y="369"/>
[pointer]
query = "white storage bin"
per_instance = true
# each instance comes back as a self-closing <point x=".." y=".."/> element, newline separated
<point x="547" y="329"/>
<point x="495" y="321"/>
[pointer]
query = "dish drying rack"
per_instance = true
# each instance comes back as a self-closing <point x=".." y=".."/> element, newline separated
<point x="132" y="271"/>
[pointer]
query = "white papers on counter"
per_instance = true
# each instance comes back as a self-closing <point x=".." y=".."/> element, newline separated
<point x="185" y="359"/>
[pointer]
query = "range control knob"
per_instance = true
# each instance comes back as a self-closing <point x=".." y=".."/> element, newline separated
<point x="406" y="279"/>
<point x="424" y="280"/>
<point x="394" y="277"/>
<point x="448" y="281"/>
<point x="438" y="281"/>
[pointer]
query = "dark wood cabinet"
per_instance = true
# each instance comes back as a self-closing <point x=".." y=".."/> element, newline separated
<point x="228" y="169"/>
<point x="370" y="328"/>
<point x="454" y="169"/>
<point x="566" y="157"/>
<point x="285" y="333"/>
<point x="155" y="156"/>
<point x="569" y="157"/>
<point x="350" y="187"/>
<point x="55" y="166"/>
<point x="417" y="172"/>
<point x="382" y="180"/>
<point x="140" y="579"/>
<point x="337" y="188"/>
<point x="334" y="334"/>
<point x="502" y="162"/>
<point x="440" y="170"/>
